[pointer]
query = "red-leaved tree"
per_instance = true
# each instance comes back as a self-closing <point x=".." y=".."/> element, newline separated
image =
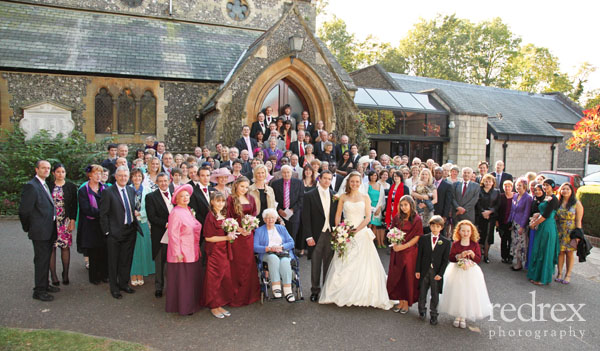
<point x="586" y="131"/>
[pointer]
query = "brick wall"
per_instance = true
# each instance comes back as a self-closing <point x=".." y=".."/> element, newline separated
<point x="522" y="156"/>
<point x="467" y="141"/>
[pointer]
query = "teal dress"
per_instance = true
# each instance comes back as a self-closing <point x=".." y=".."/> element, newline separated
<point x="142" y="263"/>
<point x="544" y="255"/>
<point x="374" y="196"/>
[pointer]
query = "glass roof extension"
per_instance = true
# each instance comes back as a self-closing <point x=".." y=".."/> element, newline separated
<point x="396" y="100"/>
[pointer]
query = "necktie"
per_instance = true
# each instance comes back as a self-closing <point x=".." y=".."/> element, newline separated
<point x="301" y="149"/>
<point x="166" y="194"/>
<point x="205" y="190"/>
<point x="464" y="188"/>
<point x="435" y="238"/>
<point x="127" y="208"/>
<point x="47" y="189"/>
<point x="305" y="124"/>
<point x="286" y="194"/>
<point x="498" y="178"/>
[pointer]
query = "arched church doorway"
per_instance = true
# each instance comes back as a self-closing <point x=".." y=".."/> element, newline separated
<point x="282" y="93"/>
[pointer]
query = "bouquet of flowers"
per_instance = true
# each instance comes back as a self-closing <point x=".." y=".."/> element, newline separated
<point x="230" y="225"/>
<point x="465" y="263"/>
<point x="249" y="223"/>
<point x="340" y="238"/>
<point x="395" y="236"/>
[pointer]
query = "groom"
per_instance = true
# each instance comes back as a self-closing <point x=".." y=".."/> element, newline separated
<point x="319" y="210"/>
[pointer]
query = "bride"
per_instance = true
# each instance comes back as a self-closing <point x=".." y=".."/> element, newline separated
<point x="359" y="278"/>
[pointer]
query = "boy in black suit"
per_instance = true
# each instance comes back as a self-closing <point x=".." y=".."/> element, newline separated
<point x="432" y="260"/>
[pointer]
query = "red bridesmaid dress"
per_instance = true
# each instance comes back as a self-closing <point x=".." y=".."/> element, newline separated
<point x="402" y="283"/>
<point x="217" y="279"/>
<point x="244" y="274"/>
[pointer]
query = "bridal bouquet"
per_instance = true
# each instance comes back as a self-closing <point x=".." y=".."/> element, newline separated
<point x="230" y="226"/>
<point x="249" y="223"/>
<point x="340" y="239"/>
<point x="395" y="236"/>
<point x="465" y="263"/>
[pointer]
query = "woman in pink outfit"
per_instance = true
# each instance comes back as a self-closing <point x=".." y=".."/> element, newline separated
<point x="183" y="256"/>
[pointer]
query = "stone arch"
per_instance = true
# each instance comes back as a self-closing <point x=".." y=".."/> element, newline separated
<point x="304" y="78"/>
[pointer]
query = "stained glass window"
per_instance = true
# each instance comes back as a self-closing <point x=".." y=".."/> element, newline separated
<point x="103" y="111"/>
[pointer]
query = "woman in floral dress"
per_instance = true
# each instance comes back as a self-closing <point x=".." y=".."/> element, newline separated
<point x="64" y="195"/>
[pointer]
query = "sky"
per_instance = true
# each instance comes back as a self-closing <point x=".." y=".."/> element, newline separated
<point x="569" y="29"/>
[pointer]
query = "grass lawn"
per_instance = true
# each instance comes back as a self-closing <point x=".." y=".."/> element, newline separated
<point x="22" y="339"/>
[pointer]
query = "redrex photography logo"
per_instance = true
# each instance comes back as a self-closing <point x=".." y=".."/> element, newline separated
<point x="536" y="311"/>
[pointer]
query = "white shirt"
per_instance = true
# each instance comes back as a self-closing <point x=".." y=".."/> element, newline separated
<point x="326" y="202"/>
<point x="206" y="194"/>
<point x="432" y="244"/>
<point x="167" y="199"/>
<point x="45" y="186"/>
<point x="249" y="145"/>
<point x="125" y="202"/>
<point x="274" y="237"/>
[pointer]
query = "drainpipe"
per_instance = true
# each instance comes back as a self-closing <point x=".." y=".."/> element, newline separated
<point x="504" y="146"/>
<point x="553" y="147"/>
<point x="170" y="7"/>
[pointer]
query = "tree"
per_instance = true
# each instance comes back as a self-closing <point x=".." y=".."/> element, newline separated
<point x="592" y="98"/>
<point x="492" y="45"/>
<point x="586" y="131"/>
<point x="438" y="48"/>
<point x="536" y="70"/>
<point x="340" y="42"/>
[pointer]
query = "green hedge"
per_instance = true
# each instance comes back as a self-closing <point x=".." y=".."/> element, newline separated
<point x="589" y="195"/>
<point x="18" y="158"/>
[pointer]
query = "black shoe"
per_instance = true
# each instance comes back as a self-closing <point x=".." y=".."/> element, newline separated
<point x="95" y="282"/>
<point x="422" y="316"/>
<point x="65" y="279"/>
<point x="52" y="289"/>
<point x="116" y="295"/>
<point x="56" y="283"/>
<point x="433" y="321"/>
<point x="158" y="293"/>
<point x="127" y="290"/>
<point x="314" y="297"/>
<point x="43" y="296"/>
<point x="486" y="259"/>
<point x="104" y="280"/>
<point x="515" y="269"/>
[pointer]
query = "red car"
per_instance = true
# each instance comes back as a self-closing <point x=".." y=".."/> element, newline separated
<point x="562" y="177"/>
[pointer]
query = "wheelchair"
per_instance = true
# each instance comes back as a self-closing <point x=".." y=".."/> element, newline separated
<point x="265" y="281"/>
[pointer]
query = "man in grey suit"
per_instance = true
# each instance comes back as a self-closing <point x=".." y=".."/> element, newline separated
<point x="38" y="218"/>
<point x="466" y="195"/>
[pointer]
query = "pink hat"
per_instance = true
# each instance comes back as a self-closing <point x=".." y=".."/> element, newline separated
<point x="221" y="172"/>
<point x="184" y="187"/>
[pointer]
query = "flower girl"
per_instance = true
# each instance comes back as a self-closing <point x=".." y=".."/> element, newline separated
<point x="465" y="293"/>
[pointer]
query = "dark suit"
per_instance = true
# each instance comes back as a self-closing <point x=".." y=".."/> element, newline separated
<point x="354" y="159"/>
<point x="307" y="128"/>
<point x="158" y="216"/>
<point x="296" y="199"/>
<point x="338" y="182"/>
<point x="120" y="239"/>
<point x="199" y="203"/>
<point x="339" y="152"/>
<point x="443" y="207"/>
<point x="295" y="147"/>
<point x="38" y="219"/>
<point x="256" y="128"/>
<point x="313" y="219"/>
<point x="503" y="177"/>
<point x="468" y="201"/>
<point x="110" y="165"/>
<point x="90" y="234"/>
<point x="241" y="145"/>
<point x="429" y="264"/>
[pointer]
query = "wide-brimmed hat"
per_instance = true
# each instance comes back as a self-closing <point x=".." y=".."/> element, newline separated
<point x="221" y="172"/>
<point x="184" y="187"/>
<point x="364" y="159"/>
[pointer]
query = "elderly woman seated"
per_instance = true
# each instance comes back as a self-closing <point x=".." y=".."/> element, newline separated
<point x="274" y="245"/>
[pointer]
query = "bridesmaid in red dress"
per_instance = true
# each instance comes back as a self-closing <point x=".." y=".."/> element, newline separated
<point x="217" y="280"/>
<point x="244" y="274"/>
<point x="402" y="284"/>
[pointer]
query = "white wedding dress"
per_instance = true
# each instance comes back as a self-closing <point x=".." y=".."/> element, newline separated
<point x="359" y="278"/>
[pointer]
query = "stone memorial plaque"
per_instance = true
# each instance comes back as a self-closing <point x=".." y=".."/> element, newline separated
<point x="52" y="117"/>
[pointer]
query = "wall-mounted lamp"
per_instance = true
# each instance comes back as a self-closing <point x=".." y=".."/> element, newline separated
<point x="451" y="125"/>
<point x="499" y="116"/>
<point x="295" y="46"/>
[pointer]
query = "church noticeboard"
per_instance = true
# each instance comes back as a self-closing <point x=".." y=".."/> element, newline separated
<point x="52" y="117"/>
